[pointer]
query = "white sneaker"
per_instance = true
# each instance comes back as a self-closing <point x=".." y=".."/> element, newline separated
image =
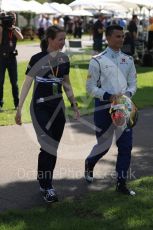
<point x="88" y="176"/>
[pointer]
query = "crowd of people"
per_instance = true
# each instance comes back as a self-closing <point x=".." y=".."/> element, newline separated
<point x="96" y="26"/>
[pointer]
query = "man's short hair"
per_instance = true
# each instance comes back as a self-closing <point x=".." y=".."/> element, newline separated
<point x="110" y="29"/>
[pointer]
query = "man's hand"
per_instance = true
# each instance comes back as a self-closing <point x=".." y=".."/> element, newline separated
<point x="115" y="98"/>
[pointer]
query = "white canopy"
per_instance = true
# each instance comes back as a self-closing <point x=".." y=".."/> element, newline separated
<point x="39" y="8"/>
<point x="17" y="5"/>
<point x="146" y="3"/>
<point x="30" y="6"/>
<point x="126" y="3"/>
<point x="81" y="13"/>
<point x="120" y="5"/>
<point x="62" y="9"/>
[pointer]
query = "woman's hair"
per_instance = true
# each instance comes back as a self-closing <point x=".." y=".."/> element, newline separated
<point x="52" y="31"/>
<point x="43" y="45"/>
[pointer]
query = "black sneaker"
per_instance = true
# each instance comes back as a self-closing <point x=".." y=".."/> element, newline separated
<point x="49" y="195"/>
<point x="88" y="174"/>
<point x="121" y="188"/>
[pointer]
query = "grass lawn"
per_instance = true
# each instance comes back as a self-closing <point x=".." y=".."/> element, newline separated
<point x="79" y="66"/>
<point x="102" y="210"/>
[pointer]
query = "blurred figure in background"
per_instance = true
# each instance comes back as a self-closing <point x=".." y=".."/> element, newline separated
<point x="41" y="26"/>
<point x="133" y="30"/>
<point x="77" y="27"/>
<point x="128" y="44"/>
<point x="98" y="29"/>
<point x="61" y="21"/>
<point x="48" y="22"/>
<point x="150" y="34"/>
<point x="9" y="34"/>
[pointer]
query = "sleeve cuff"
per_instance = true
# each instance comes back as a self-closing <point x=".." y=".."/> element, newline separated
<point x="128" y="94"/>
<point x="107" y="96"/>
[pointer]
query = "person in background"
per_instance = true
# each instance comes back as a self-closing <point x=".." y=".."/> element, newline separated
<point x="98" y="29"/>
<point x="41" y="26"/>
<point x="61" y="21"/>
<point x="122" y="22"/>
<point x="150" y="34"/>
<point x="48" y="22"/>
<point x="77" y="27"/>
<point x="111" y="75"/>
<point x="49" y="70"/>
<point x="133" y="29"/>
<point x="9" y="34"/>
<point x="128" y="44"/>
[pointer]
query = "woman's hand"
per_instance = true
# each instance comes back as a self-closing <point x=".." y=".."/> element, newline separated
<point x="18" y="117"/>
<point x="76" y="112"/>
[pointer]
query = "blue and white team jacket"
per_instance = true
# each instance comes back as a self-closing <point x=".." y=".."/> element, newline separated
<point x="111" y="72"/>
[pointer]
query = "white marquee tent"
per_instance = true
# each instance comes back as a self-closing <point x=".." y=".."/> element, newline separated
<point x="80" y="13"/>
<point x="24" y="6"/>
<point x="61" y="8"/>
<point x="100" y="5"/>
<point x="17" y="5"/>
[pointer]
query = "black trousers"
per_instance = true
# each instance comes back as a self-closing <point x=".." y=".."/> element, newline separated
<point x="9" y="63"/>
<point x="49" y="121"/>
<point x="97" y="44"/>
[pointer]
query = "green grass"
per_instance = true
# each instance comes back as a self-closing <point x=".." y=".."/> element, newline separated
<point x="79" y="66"/>
<point x="102" y="210"/>
<point x="144" y="95"/>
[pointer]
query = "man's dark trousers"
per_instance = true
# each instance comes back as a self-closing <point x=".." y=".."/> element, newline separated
<point x="104" y="134"/>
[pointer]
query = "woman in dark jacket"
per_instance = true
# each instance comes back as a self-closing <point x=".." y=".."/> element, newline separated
<point x="50" y="71"/>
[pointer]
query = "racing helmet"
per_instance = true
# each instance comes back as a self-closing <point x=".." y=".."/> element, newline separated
<point x="124" y="112"/>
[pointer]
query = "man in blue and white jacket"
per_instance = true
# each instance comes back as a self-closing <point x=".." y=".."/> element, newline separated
<point x="111" y="74"/>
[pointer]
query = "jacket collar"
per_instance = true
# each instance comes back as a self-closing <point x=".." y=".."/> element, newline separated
<point x="113" y="53"/>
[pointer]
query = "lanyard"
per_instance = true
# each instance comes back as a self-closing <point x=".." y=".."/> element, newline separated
<point x="52" y="71"/>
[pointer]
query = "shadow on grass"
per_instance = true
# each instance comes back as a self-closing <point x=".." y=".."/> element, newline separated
<point x="142" y="69"/>
<point x="97" y="210"/>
